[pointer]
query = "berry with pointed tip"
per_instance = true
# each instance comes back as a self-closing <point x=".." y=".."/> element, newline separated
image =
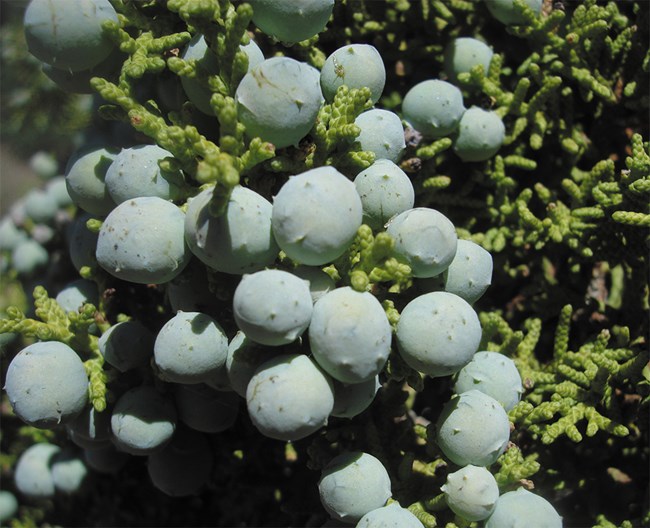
<point x="425" y="238"/>
<point x="197" y="49"/>
<point x="493" y="374"/>
<point x="353" y="484"/>
<point x="188" y="292"/>
<point x="277" y="317"/>
<point x="190" y="348"/>
<point x="438" y="333"/>
<point x="197" y="92"/>
<point x="473" y="428"/>
<point x="142" y="241"/>
<point x="78" y="82"/>
<point x="355" y="66"/>
<point x="278" y="100"/>
<point x="349" y="335"/>
<point x="382" y="133"/>
<point x="85" y="443"/>
<point x="75" y="294"/>
<point x="319" y="282"/>
<point x="385" y="191"/>
<point x="289" y="397"/>
<point x="237" y="242"/>
<point x="471" y="492"/>
<point x="47" y="384"/>
<point x="253" y="52"/>
<point x="316" y="215"/>
<point x="91" y="427"/>
<point x="469" y="275"/>
<point x="82" y="243"/>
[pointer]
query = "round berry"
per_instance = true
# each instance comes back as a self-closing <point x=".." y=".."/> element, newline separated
<point x="353" y="484"/>
<point x="47" y="384"/>
<point x="480" y="135"/>
<point x="433" y="108"/>
<point x="316" y="216"/>
<point x="382" y="133"/>
<point x="438" y="333"/>
<point x="493" y="374"/>
<point x="473" y="428"/>
<point x="425" y="238"/>
<point x="463" y="53"/>
<point x="272" y="307"/>
<point x="289" y="397"/>
<point x="68" y="34"/>
<point x="291" y="21"/>
<point x="278" y="100"/>
<point x="355" y="66"/>
<point x="471" y="492"/>
<point x="521" y="506"/>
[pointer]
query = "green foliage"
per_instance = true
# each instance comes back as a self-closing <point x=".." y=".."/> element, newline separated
<point x="200" y="158"/>
<point x="573" y="387"/>
<point x="371" y="260"/>
<point x="335" y="131"/>
<point x="515" y="469"/>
